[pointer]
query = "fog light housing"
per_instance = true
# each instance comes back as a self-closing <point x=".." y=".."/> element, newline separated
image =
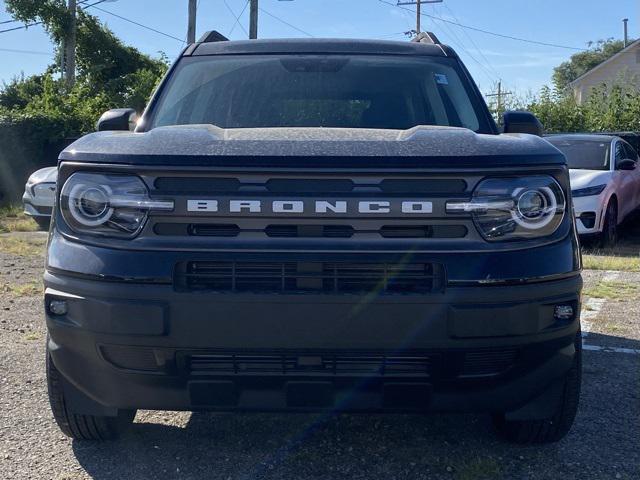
<point x="58" y="307"/>
<point x="563" y="312"/>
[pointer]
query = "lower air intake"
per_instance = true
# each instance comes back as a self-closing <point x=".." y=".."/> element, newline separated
<point x="310" y="277"/>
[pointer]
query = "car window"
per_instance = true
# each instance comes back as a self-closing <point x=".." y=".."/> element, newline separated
<point x="620" y="154"/>
<point x="630" y="153"/>
<point x="373" y="91"/>
<point x="583" y="154"/>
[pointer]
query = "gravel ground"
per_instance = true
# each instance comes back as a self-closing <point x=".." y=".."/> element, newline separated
<point x="604" y="443"/>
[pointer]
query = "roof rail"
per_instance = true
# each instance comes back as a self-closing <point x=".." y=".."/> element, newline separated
<point x="213" y="36"/>
<point x="426" y="37"/>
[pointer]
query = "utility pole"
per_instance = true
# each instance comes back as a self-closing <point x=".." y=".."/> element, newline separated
<point x="418" y="4"/>
<point x="625" y="22"/>
<point x="500" y="94"/>
<point x="253" y="22"/>
<point x="70" y="47"/>
<point x="191" y="30"/>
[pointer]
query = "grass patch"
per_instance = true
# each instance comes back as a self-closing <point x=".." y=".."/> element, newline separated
<point x="23" y="246"/>
<point x="478" y="469"/>
<point x="611" y="262"/>
<point x="13" y="219"/>
<point x="32" y="336"/>
<point x="613" y="290"/>
<point x="22" y="289"/>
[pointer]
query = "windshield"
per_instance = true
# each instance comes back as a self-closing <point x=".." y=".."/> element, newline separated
<point x="585" y="154"/>
<point x="387" y="92"/>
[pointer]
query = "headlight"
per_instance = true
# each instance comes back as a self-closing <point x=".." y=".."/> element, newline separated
<point x="39" y="176"/>
<point x="589" y="191"/>
<point x="107" y="205"/>
<point x="515" y="207"/>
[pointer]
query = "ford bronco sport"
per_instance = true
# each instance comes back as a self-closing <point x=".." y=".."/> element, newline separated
<point x="330" y="225"/>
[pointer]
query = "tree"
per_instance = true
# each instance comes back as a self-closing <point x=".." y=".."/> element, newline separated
<point x="110" y="73"/>
<point x="52" y="13"/>
<point x="580" y="63"/>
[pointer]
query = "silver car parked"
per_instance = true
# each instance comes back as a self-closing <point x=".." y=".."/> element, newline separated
<point x="39" y="195"/>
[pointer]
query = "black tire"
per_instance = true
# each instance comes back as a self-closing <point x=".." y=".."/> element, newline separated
<point x="609" y="235"/>
<point x="43" y="223"/>
<point x="552" y="429"/>
<point x="82" y="427"/>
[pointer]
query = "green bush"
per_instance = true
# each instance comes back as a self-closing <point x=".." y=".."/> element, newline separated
<point x="28" y="142"/>
<point x="608" y="109"/>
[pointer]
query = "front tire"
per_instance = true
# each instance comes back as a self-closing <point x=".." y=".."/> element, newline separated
<point x="609" y="235"/>
<point x="78" y="426"/>
<point x="551" y="429"/>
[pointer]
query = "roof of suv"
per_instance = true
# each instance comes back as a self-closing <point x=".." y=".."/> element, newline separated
<point x="309" y="46"/>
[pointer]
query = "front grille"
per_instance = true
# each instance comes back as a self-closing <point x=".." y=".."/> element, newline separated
<point x="309" y="277"/>
<point x="214" y="230"/>
<point x="357" y="364"/>
<point x="487" y="362"/>
<point x="440" y="365"/>
<point x="297" y="186"/>
<point x="311" y="231"/>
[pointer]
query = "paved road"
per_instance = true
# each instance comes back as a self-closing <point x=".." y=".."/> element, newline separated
<point x="604" y="444"/>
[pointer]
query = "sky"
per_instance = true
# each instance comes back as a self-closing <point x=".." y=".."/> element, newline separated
<point x="523" y="67"/>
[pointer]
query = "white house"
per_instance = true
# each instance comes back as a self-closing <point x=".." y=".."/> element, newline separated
<point x="624" y="66"/>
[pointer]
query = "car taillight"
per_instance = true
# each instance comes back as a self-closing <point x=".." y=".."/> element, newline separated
<point x="513" y="208"/>
<point x="107" y="204"/>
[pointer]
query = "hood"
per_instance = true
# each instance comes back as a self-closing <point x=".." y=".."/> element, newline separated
<point x="208" y="145"/>
<point x="44" y="175"/>
<point x="588" y="178"/>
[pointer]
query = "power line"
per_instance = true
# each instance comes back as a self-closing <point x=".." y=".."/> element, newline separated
<point x="21" y="27"/>
<point x="487" y="32"/>
<point x="286" y="23"/>
<point x="473" y="43"/>
<point x="459" y="44"/>
<point x="237" y="17"/>
<point x="4" y="22"/>
<point x="31" y="52"/>
<point x="136" y="23"/>
<point x="84" y="3"/>
<point x="237" y="22"/>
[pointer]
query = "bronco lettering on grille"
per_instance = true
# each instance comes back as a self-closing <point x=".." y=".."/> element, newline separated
<point x="315" y="206"/>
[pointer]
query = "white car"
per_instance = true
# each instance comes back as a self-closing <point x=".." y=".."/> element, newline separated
<point x="605" y="182"/>
<point x="39" y="195"/>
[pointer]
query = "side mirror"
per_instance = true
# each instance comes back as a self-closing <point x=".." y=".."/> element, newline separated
<point x="522" y="122"/>
<point x="626" y="164"/>
<point x="118" y="119"/>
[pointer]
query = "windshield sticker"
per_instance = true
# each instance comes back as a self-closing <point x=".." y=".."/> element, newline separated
<point x="441" y="79"/>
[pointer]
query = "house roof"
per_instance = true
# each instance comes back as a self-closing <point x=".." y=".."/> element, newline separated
<point x="628" y="48"/>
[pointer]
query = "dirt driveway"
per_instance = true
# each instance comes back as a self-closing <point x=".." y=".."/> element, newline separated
<point x="604" y="443"/>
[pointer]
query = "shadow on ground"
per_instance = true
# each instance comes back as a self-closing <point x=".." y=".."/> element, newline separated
<point x="308" y="446"/>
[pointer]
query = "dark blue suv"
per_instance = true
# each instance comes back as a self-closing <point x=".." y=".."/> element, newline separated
<point x="328" y="225"/>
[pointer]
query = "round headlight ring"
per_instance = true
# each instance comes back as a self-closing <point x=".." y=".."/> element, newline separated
<point x="89" y="204"/>
<point x="549" y="206"/>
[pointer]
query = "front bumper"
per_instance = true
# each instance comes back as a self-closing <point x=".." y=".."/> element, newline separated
<point x="588" y="213"/>
<point x="38" y="200"/>
<point x="480" y="348"/>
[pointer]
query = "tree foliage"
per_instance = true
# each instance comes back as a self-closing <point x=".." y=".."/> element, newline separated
<point x="52" y="13"/>
<point x="580" y="63"/>
<point x="608" y="109"/>
<point x="39" y="113"/>
<point x="110" y="73"/>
